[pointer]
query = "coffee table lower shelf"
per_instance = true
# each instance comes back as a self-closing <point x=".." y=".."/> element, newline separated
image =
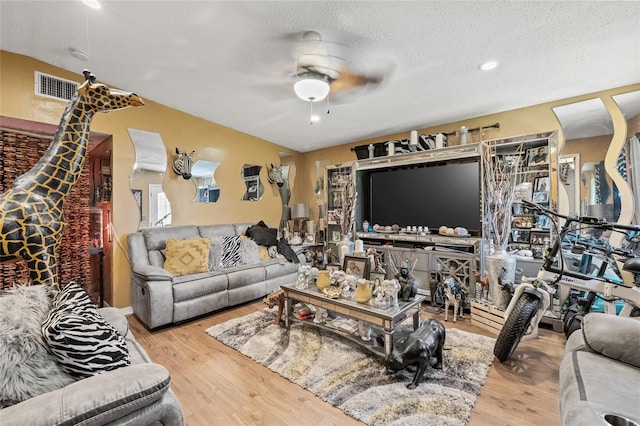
<point x="371" y="345"/>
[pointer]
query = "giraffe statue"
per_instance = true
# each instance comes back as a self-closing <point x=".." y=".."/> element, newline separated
<point x="31" y="216"/>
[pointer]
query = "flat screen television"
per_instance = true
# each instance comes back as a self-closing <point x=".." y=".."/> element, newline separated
<point x="433" y="195"/>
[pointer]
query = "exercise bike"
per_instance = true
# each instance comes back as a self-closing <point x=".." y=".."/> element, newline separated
<point x="534" y="295"/>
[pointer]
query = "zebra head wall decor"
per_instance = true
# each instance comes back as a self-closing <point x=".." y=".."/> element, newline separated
<point x="182" y="165"/>
<point x="274" y="175"/>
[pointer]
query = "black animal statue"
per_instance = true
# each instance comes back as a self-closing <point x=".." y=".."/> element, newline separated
<point x="408" y="289"/>
<point x="417" y="349"/>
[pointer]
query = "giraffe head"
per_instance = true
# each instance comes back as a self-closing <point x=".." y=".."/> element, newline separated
<point x="98" y="97"/>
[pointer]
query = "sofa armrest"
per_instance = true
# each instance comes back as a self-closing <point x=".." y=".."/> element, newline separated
<point x="96" y="400"/>
<point x="152" y="273"/>
<point x="612" y="336"/>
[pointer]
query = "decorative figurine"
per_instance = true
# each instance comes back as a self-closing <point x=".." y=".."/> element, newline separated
<point x="417" y="349"/>
<point x="484" y="283"/>
<point x="329" y="257"/>
<point x="391" y="289"/>
<point x="407" y="282"/>
<point x="276" y="298"/>
<point x="31" y="211"/>
<point x="304" y="274"/>
<point x="456" y="293"/>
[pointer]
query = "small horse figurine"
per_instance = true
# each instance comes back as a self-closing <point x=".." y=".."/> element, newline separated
<point x="455" y="293"/>
<point x="484" y="283"/>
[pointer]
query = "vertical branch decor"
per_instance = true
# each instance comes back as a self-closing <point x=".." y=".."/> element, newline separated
<point x="347" y="200"/>
<point x="501" y="189"/>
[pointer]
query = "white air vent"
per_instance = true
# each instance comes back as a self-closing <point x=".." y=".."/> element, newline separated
<point x="50" y="86"/>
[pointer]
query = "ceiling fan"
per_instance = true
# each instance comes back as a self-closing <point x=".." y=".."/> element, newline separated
<point x="326" y="68"/>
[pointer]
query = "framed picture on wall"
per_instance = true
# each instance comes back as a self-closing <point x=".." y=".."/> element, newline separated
<point x="538" y="156"/>
<point x="541" y="184"/>
<point x="539" y="238"/>
<point x="537" y="251"/>
<point x="520" y="236"/>
<point x="540" y="197"/>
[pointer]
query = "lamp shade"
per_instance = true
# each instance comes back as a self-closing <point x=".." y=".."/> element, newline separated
<point x="312" y="88"/>
<point x="300" y="211"/>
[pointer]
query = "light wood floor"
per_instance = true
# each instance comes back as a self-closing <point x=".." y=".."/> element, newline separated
<point x="218" y="386"/>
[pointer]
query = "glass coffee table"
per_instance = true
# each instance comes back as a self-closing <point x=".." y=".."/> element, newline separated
<point x="384" y="319"/>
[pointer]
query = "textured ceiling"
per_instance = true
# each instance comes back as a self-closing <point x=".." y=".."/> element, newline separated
<point x="230" y="62"/>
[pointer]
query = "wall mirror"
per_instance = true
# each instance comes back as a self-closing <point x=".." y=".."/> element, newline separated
<point x="145" y="181"/>
<point x="588" y="131"/>
<point x="569" y="175"/>
<point x="254" y="188"/>
<point x="629" y="104"/>
<point x="318" y="187"/>
<point x="203" y="177"/>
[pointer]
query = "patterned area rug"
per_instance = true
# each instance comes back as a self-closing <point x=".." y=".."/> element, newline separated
<point x="354" y="380"/>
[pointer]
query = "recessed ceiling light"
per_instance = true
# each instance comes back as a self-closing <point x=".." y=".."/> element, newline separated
<point x="489" y="65"/>
<point x="93" y="4"/>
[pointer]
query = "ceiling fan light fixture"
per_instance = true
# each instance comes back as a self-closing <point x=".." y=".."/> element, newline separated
<point x="312" y="88"/>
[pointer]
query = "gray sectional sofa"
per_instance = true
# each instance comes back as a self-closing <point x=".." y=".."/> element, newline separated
<point x="600" y="373"/>
<point x="139" y="394"/>
<point x="158" y="298"/>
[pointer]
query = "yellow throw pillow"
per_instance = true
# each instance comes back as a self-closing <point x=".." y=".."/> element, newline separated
<point x="184" y="257"/>
<point x="264" y="253"/>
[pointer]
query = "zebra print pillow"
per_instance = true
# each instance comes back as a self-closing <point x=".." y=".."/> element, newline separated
<point x="230" y="251"/>
<point x="82" y="341"/>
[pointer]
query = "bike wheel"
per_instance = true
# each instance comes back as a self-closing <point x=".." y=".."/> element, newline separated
<point x="515" y="326"/>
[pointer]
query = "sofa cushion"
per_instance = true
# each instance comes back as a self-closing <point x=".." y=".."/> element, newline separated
<point x="249" y="251"/>
<point x="198" y="285"/>
<point x="83" y="342"/>
<point x="275" y="269"/>
<point x="245" y="275"/>
<point x="230" y="251"/>
<point x="27" y="368"/>
<point x="591" y="385"/>
<point x="612" y="336"/>
<point x="125" y="396"/>
<point x="186" y="257"/>
<point x="157" y="257"/>
<point x="156" y="238"/>
<point x="213" y="231"/>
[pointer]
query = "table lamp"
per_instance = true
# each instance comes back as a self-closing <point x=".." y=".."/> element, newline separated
<point x="300" y="213"/>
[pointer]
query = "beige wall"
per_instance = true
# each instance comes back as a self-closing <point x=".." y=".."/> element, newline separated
<point x="231" y="148"/>
<point x="210" y="141"/>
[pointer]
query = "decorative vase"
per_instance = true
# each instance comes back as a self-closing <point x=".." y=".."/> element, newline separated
<point x="363" y="291"/>
<point x="501" y="268"/>
<point x="323" y="280"/>
<point x="345" y="247"/>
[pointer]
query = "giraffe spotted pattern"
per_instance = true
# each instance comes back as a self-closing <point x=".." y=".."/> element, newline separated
<point x="31" y="216"/>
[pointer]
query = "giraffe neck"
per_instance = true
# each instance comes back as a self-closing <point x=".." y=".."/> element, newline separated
<point x="61" y="165"/>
